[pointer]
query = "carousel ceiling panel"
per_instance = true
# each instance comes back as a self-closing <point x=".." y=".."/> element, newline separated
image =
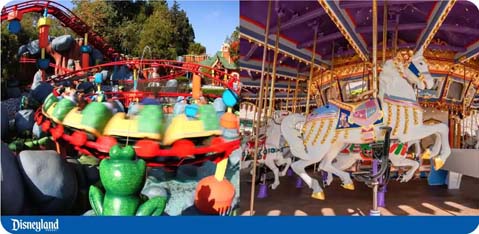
<point x="252" y="51"/>
<point x="461" y="25"/>
<point x="254" y="66"/>
<point x="415" y="19"/>
<point x="255" y="35"/>
<point x="278" y="84"/>
<point x="297" y="18"/>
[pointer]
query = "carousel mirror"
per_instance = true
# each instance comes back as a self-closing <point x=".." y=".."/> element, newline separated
<point x="435" y="91"/>
<point x="455" y="91"/>
<point x="352" y="88"/>
<point x="475" y="101"/>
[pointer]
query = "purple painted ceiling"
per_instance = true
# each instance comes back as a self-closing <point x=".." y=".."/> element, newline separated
<point x="459" y="30"/>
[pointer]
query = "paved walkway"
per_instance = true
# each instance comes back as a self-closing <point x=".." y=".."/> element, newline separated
<point x="413" y="198"/>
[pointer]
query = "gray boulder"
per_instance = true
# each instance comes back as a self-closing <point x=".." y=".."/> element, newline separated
<point x="24" y="120"/>
<point x="87" y="87"/>
<point x="12" y="106"/>
<point x="171" y="85"/>
<point x="121" y="73"/>
<point x="235" y="157"/>
<point x="71" y="64"/>
<point x="13" y="194"/>
<point x="37" y="78"/>
<point x="62" y="43"/>
<point x="152" y="189"/>
<point x="33" y="47"/>
<point x="4" y="116"/>
<point x="77" y="168"/>
<point x="23" y="49"/>
<point x="219" y="106"/>
<point x="97" y="57"/>
<point x="41" y="91"/>
<point x="104" y="74"/>
<point x="89" y="213"/>
<point x="187" y="172"/>
<point x="13" y="90"/>
<point x="50" y="182"/>
<point x="37" y="131"/>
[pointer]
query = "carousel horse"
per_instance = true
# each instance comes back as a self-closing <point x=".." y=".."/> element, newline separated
<point x="323" y="135"/>
<point x="271" y="153"/>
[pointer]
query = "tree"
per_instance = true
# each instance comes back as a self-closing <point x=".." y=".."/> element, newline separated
<point x="233" y="41"/>
<point x="128" y="22"/>
<point x="183" y="31"/>
<point x="196" y="49"/>
<point x="158" y="34"/>
<point x="11" y="42"/>
<point x="99" y="15"/>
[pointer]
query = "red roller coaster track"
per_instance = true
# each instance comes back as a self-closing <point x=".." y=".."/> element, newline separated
<point x="68" y="19"/>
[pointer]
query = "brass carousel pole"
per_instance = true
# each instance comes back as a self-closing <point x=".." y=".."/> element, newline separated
<point x="375" y="182"/>
<point x="320" y="91"/>
<point x="295" y="97"/>
<point x="260" y="106"/>
<point x="385" y="30"/>
<point x="375" y="47"/>
<point x="273" y="78"/>
<point x="265" y="93"/>
<point x="287" y="98"/>
<point x="464" y="111"/>
<point x="265" y="104"/>
<point x="311" y="70"/>
<point x="395" y="37"/>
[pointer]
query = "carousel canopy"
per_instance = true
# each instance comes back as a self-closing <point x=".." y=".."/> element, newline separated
<point x="448" y="30"/>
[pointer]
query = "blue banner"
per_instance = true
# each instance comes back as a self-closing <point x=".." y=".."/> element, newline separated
<point x="240" y="224"/>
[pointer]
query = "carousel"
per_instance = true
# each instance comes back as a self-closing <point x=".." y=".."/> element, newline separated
<point x="359" y="107"/>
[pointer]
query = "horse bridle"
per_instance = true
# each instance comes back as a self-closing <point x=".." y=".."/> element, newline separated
<point x="420" y="75"/>
<point x="274" y="119"/>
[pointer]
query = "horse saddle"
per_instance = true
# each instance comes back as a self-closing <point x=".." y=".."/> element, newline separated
<point x="363" y="114"/>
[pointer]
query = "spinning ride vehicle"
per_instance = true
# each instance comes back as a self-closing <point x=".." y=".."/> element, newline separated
<point x="98" y="125"/>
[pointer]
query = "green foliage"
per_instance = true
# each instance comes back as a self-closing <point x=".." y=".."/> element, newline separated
<point x="56" y="29"/>
<point x="182" y="79"/>
<point x="233" y="40"/>
<point x="158" y="34"/>
<point x="183" y="31"/>
<point x="196" y="49"/>
<point x="129" y="26"/>
<point x="99" y="15"/>
<point x="11" y="43"/>
<point x="211" y="91"/>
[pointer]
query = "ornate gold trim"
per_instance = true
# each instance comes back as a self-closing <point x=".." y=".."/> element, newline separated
<point x="321" y="125"/>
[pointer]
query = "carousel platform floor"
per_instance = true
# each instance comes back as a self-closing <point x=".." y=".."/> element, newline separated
<point x="413" y="198"/>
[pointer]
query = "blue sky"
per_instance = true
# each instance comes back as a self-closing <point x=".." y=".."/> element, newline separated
<point x="211" y="20"/>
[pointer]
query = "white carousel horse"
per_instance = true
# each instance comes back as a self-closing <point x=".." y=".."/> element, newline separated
<point x="274" y="148"/>
<point x="329" y="132"/>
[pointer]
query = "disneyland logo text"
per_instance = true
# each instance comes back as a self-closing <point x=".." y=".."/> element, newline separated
<point x="50" y="226"/>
